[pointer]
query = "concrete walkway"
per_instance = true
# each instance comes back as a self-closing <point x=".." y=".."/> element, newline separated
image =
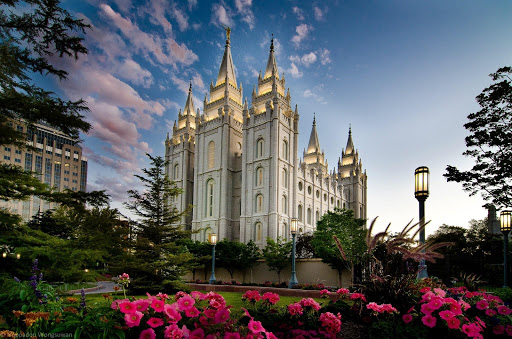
<point x="103" y="287"/>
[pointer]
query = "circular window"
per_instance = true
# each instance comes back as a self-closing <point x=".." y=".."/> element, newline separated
<point x="325" y="197"/>
<point x="332" y="200"/>
<point x="317" y="193"/>
<point x="309" y="190"/>
<point x="300" y="186"/>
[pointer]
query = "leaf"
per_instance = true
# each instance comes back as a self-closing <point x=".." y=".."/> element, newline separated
<point x="77" y="333"/>
<point x="23" y="294"/>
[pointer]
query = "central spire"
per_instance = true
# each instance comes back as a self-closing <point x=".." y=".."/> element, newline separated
<point x="189" y="105"/>
<point x="271" y="63"/>
<point x="226" y="67"/>
<point x="314" y="145"/>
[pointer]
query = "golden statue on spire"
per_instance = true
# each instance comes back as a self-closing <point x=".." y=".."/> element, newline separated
<point x="228" y="31"/>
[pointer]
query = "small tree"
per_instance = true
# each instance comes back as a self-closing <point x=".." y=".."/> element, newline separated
<point x="202" y="255"/>
<point x="351" y="234"/>
<point x="160" y="259"/>
<point x="490" y="144"/>
<point x="229" y="254"/>
<point x="251" y="253"/>
<point x="277" y="255"/>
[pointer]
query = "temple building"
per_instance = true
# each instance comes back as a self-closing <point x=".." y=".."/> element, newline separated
<point x="239" y="168"/>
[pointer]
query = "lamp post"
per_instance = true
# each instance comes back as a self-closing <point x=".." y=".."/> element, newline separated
<point x="421" y="181"/>
<point x="212" y="238"/>
<point x="293" y="230"/>
<point x="505" y="229"/>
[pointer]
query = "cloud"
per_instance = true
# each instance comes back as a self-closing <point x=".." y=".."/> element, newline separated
<point x="157" y="15"/>
<point x="244" y="8"/>
<point x="165" y="51"/>
<point x="124" y="5"/>
<point x="298" y="12"/>
<point x="306" y="59"/>
<point x="310" y="94"/>
<point x="325" y="56"/>
<point x="221" y="15"/>
<point x="191" y="4"/>
<point x="319" y="14"/>
<point x="181" y="17"/>
<point x="294" y="71"/>
<point x="131" y="71"/>
<point x="113" y="186"/>
<point x="302" y="31"/>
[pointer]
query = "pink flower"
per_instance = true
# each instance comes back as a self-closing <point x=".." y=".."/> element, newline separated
<point x="147" y="334"/>
<point x="133" y="319"/>
<point x="428" y="296"/>
<point x="228" y="335"/>
<point x="407" y="318"/>
<point x="456" y="309"/>
<point x="440" y="292"/>
<point x="427" y="309"/>
<point x="255" y="326"/>
<point x="498" y="329"/>
<point x="172" y="313"/>
<point x="446" y="315"/>
<point x="482" y="305"/>
<point x="221" y="316"/>
<point x="162" y="296"/>
<point x="185" y="303"/>
<point x="504" y="310"/>
<point x="435" y="303"/>
<point x="508" y="329"/>
<point x="470" y="329"/>
<point x="295" y="309"/>
<point x="453" y="323"/>
<point x="355" y="296"/>
<point x="272" y="298"/>
<point x="197" y="295"/>
<point x="331" y="323"/>
<point x="197" y="334"/>
<point x="252" y="296"/>
<point x="141" y="305"/>
<point x="490" y="313"/>
<point x="115" y="303"/>
<point x="127" y="307"/>
<point x="343" y="291"/>
<point x="324" y="293"/>
<point x="425" y="290"/>
<point x="464" y="305"/>
<point x="310" y="302"/>
<point x="155" y="322"/>
<point x="158" y="305"/>
<point x="210" y="313"/>
<point x="192" y="312"/>
<point x="429" y="321"/>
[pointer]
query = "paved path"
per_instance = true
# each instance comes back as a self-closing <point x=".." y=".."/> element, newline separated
<point x="104" y="287"/>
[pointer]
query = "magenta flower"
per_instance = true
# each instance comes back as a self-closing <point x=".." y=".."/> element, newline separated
<point x="133" y="319"/>
<point x="425" y="290"/>
<point x="295" y="309"/>
<point x="115" y="303"/>
<point x="435" y="303"/>
<point x="210" y="313"/>
<point x="310" y="302"/>
<point x="446" y="314"/>
<point x="508" y="329"/>
<point x="155" y="322"/>
<point x="355" y="296"/>
<point x="440" y="292"/>
<point x="221" y="316"/>
<point x="186" y="302"/>
<point x="407" y="318"/>
<point x="456" y="308"/>
<point x="504" y="310"/>
<point x="427" y="309"/>
<point x="229" y="335"/>
<point x="197" y="295"/>
<point x="251" y="296"/>
<point x="272" y="298"/>
<point x="453" y="323"/>
<point x="147" y="334"/>
<point x="498" y="329"/>
<point x="158" y="305"/>
<point x="482" y="305"/>
<point x="192" y="312"/>
<point x="198" y="333"/>
<point x="255" y="327"/>
<point x="162" y="296"/>
<point x="172" y="313"/>
<point x="127" y="307"/>
<point x="470" y="330"/>
<point x="331" y="323"/>
<point x="490" y="313"/>
<point x="141" y="305"/>
<point x="343" y="291"/>
<point x="429" y="321"/>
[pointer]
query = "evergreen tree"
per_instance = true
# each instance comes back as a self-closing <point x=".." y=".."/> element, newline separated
<point x="351" y="234"/>
<point x="159" y="257"/>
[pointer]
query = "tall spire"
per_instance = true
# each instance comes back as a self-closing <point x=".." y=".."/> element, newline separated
<point x="189" y="105"/>
<point x="350" y="144"/>
<point x="314" y="145"/>
<point x="226" y="67"/>
<point x="271" y="63"/>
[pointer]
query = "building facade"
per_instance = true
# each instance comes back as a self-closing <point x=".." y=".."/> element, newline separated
<point x="57" y="160"/>
<point x="238" y="165"/>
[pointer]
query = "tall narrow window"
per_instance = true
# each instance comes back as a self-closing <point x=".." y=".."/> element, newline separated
<point x="259" y="176"/>
<point x="257" y="231"/>
<point x="309" y="216"/>
<point x="259" y="203"/>
<point x="285" y="150"/>
<point x="211" y="155"/>
<point x="176" y="171"/>
<point x="317" y="216"/>
<point x="285" y="178"/>
<point x="299" y="212"/>
<point x="209" y="198"/>
<point x="285" y="205"/>
<point x="284" y="231"/>
<point x="259" y="148"/>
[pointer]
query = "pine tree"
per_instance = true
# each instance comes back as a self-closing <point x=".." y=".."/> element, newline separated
<point x="160" y="258"/>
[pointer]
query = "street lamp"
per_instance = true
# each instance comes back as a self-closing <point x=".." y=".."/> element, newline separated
<point x="421" y="181"/>
<point x="293" y="230"/>
<point x="212" y="238"/>
<point x="505" y="229"/>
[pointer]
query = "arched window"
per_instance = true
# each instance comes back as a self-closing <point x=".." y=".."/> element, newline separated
<point x="285" y="205"/>
<point x="259" y="176"/>
<point x="338" y="203"/>
<point x="210" y="186"/>
<point x="317" y="216"/>
<point x="299" y="212"/>
<point x="259" y="203"/>
<point x="285" y="150"/>
<point x="257" y="231"/>
<point x="211" y="155"/>
<point x="309" y="216"/>
<point x="175" y="174"/>
<point x="285" y="178"/>
<point x="284" y="231"/>
<point x="259" y="148"/>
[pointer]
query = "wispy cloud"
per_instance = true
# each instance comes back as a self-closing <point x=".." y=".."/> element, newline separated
<point x="298" y="12"/>
<point x="313" y="94"/>
<point x="325" y="56"/>
<point x="181" y="17"/>
<point x="294" y="71"/>
<point x="130" y="70"/>
<point x="319" y="13"/>
<point x="221" y="14"/>
<point x="302" y="32"/>
<point x="244" y="9"/>
<point x="306" y="60"/>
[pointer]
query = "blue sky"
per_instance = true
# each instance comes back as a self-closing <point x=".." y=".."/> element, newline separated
<point x="404" y="74"/>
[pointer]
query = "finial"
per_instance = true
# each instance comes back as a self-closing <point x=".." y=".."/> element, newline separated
<point x="190" y="86"/>
<point x="272" y="43"/>
<point x="349" y="129"/>
<point x="314" y="119"/>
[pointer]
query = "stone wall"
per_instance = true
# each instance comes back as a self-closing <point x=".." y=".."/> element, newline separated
<point x="308" y="271"/>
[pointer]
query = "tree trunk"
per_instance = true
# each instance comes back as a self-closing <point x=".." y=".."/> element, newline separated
<point x="194" y="274"/>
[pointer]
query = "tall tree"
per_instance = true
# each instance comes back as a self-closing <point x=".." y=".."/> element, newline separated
<point x="233" y="255"/>
<point x="277" y="255"/>
<point x="351" y="234"/>
<point x="160" y="258"/>
<point x="490" y="144"/>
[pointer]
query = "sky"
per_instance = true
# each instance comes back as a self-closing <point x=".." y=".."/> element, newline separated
<point x="403" y="74"/>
